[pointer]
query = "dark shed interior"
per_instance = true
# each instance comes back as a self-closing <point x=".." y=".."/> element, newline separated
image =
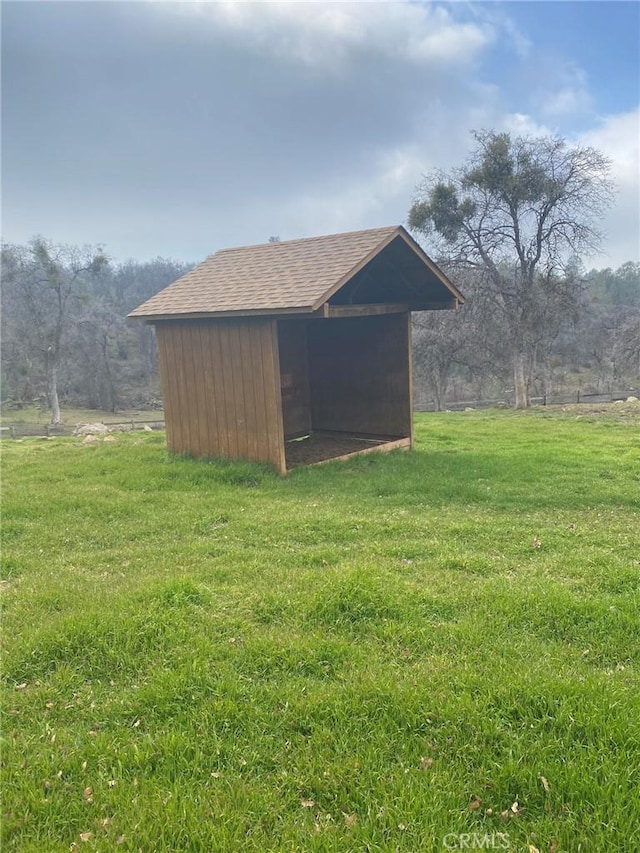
<point x="346" y="378"/>
<point x="346" y="375"/>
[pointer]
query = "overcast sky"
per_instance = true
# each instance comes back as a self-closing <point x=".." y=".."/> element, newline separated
<point x="175" y="129"/>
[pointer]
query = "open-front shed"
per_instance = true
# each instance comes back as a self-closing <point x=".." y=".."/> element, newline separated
<point x="295" y="352"/>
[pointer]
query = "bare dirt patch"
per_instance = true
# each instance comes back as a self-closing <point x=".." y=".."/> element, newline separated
<point x="321" y="448"/>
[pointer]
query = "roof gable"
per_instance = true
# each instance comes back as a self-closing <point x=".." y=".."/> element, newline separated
<point x="299" y="276"/>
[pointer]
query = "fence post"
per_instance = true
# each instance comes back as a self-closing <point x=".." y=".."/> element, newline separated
<point x="578" y="396"/>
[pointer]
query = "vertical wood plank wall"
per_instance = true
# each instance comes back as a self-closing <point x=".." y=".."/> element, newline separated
<point x="221" y="387"/>
<point x="360" y="375"/>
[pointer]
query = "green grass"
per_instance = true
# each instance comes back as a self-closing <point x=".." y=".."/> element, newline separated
<point x="369" y="655"/>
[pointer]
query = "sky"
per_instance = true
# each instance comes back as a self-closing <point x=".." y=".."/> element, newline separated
<point x="175" y="129"/>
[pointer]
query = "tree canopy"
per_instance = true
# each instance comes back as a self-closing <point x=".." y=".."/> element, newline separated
<point x="522" y="211"/>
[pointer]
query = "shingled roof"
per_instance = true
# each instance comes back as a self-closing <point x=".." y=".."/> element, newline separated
<point x="295" y="276"/>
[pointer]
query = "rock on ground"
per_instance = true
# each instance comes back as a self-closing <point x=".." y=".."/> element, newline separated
<point x="90" y="429"/>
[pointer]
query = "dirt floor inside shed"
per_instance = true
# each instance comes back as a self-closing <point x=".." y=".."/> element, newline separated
<point x="323" y="447"/>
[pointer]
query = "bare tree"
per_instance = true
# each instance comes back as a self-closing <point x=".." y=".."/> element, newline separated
<point x="437" y="350"/>
<point x="47" y="283"/>
<point x="626" y="350"/>
<point x="64" y="330"/>
<point x="522" y="210"/>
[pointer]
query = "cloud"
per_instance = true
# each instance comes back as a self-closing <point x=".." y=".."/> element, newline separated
<point x="569" y="96"/>
<point x="330" y="37"/>
<point x="381" y="196"/>
<point x="502" y="26"/>
<point x="618" y="136"/>
<point x="522" y="124"/>
<point x="176" y="129"/>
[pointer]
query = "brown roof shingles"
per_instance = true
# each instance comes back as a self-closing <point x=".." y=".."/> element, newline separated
<point x="292" y="275"/>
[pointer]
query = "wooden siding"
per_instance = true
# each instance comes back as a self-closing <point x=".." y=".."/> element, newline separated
<point x="221" y="387"/>
<point x="360" y="376"/>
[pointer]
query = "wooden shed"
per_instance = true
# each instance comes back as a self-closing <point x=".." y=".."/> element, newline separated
<point x="295" y="352"/>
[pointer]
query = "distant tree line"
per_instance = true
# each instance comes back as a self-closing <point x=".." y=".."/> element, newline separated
<point x="65" y="336"/>
<point x="66" y="339"/>
<point x="509" y="226"/>
<point x="589" y="344"/>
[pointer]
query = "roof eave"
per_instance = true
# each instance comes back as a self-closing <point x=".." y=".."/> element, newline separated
<point x="212" y="315"/>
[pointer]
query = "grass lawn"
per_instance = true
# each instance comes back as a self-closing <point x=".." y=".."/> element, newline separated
<point x="401" y="652"/>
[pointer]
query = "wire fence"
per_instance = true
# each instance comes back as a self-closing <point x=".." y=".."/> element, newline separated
<point x="24" y="430"/>
<point x="422" y="403"/>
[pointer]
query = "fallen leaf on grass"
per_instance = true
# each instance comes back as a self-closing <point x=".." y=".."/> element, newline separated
<point x="554" y="846"/>
<point x="512" y="811"/>
<point x="307" y="804"/>
<point x="350" y="819"/>
<point x="475" y="804"/>
<point x="88" y="795"/>
<point x="536" y="542"/>
<point x="85" y="836"/>
<point x="533" y="849"/>
<point x="544" y="783"/>
<point x="426" y="763"/>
